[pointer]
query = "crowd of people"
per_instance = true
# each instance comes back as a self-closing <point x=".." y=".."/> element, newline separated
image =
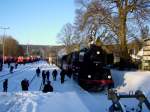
<point x="44" y="74"/>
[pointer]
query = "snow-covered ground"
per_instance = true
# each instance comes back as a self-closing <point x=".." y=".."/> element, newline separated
<point x="67" y="97"/>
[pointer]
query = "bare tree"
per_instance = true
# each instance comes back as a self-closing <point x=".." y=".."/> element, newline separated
<point x="11" y="46"/>
<point x="116" y="15"/>
<point x="68" y="37"/>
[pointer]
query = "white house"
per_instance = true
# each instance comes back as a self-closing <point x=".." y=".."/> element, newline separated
<point x="144" y="54"/>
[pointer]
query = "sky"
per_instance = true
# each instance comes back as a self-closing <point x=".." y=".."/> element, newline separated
<point x="35" y="21"/>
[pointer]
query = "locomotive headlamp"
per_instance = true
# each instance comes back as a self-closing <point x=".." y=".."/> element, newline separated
<point x="89" y="76"/>
<point x="109" y="77"/>
<point x="98" y="52"/>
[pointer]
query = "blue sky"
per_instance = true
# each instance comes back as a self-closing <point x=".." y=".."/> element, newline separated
<point x="36" y="21"/>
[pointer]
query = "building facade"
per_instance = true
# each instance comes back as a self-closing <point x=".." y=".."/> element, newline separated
<point x="146" y="55"/>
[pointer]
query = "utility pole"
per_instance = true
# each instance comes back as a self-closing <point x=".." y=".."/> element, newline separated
<point x="27" y="50"/>
<point x="4" y="28"/>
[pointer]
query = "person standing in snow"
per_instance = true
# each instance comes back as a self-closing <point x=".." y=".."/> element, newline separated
<point x="43" y="76"/>
<point x="38" y="71"/>
<point x="11" y="69"/>
<point x="25" y="84"/>
<point x="62" y="74"/>
<point x="16" y="65"/>
<point x="1" y="66"/>
<point x="5" y="85"/>
<point x="69" y="73"/>
<point x="54" y="73"/>
<point x="47" y="87"/>
<point x="47" y="75"/>
<point x="8" y="63"/>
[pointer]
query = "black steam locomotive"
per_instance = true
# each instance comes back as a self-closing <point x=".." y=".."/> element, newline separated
<point x="88" y="67"/>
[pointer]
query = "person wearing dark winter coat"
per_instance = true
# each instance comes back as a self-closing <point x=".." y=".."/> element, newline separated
<point x="69" y="73"/>
<point x="38" y="71"/>
<point x="5" y="85"/>
<point x="47" y="75"/>
<point x="25" y="84"/>
<point x="1" y="66"/>
<point x="54" y="73"/>
<point x="8" y="64"/>
<point x="62" y="74"/>
<point x="16" y="65"/>
<point x="11" y="69"/>
<point x="43" y="76"/>
<point x="1" y="63"/>
<point x="48" y="87"/>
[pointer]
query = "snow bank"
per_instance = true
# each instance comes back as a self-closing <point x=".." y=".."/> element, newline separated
<point x="40" y="102"/>
<point x="136" y="81"/>
<point x="126" y="81"/>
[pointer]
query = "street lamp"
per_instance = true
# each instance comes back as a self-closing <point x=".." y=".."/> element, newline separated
<point x="4" y="28"/>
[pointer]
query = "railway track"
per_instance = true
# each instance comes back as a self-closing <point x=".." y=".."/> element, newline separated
<point x="31" y="80"/>
<point x="8" y="76"/>
<point x="13" y="72"/>
<point x="41" y="86"/>
<point x="17" y="72"/>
